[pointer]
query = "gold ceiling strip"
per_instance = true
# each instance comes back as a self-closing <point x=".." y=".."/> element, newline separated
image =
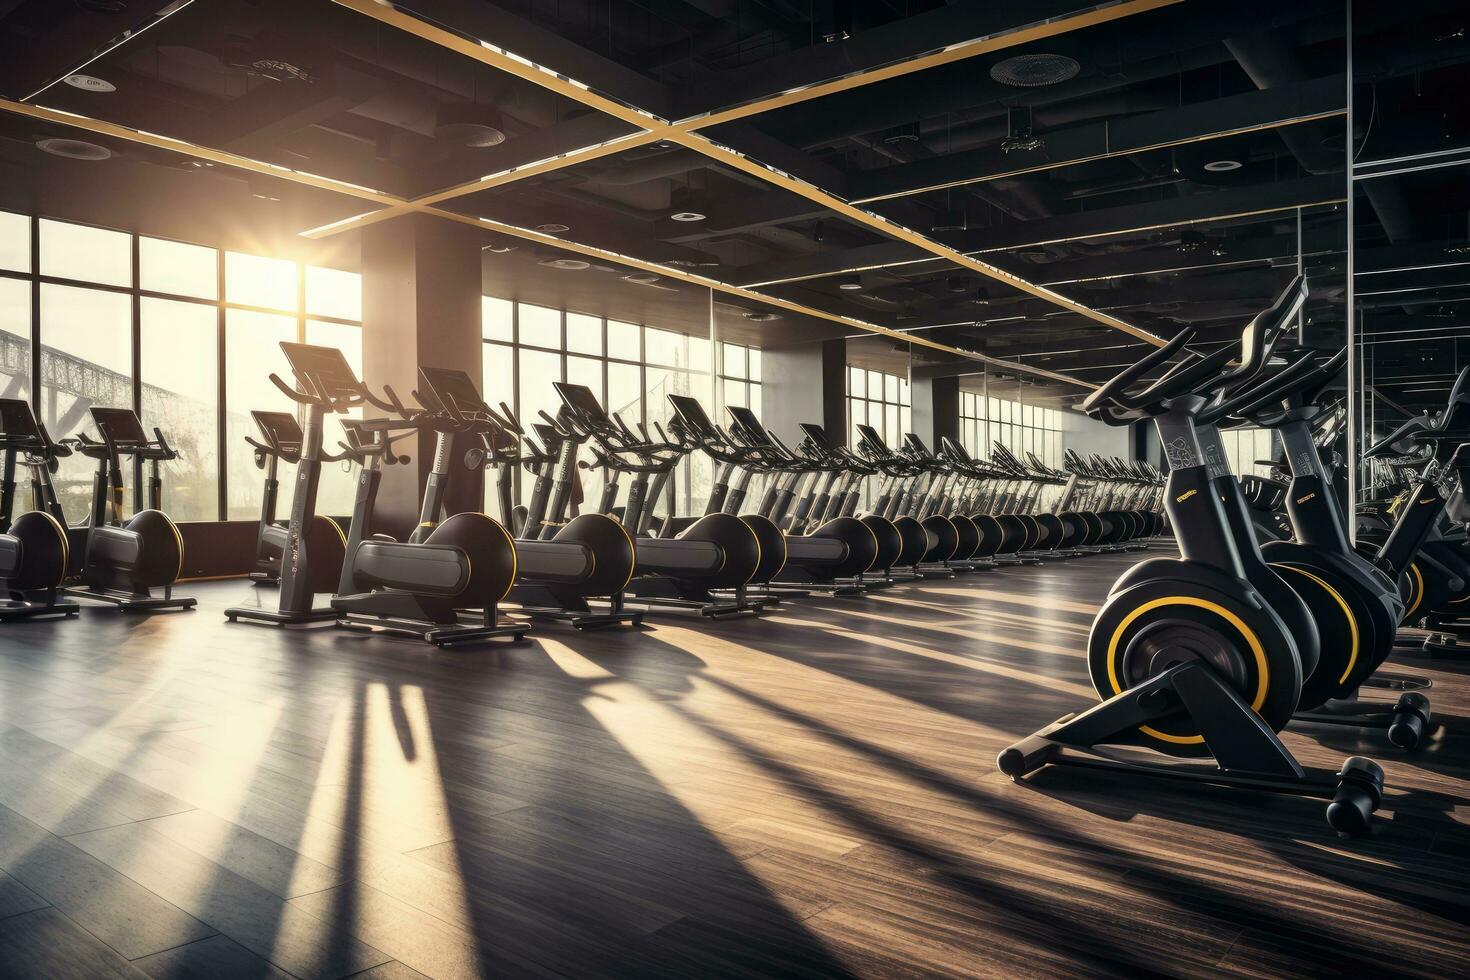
<point x="507" y="176"/>
<point x="104" y="128"/>
<point x="692" y="278"/>
<point x="683" y="134"/>
<point x="401" y="206"/>
<point x="737" y="160"/>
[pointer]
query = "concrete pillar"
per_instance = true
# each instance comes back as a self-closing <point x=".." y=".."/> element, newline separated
<point x="421" y="306"/>
<point x="935" y="408"/>
<point x="805" y="384"/>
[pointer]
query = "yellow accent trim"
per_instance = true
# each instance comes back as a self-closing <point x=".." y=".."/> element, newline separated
<point x="1346" y="611"/>
<point x="65" y="542"/>
<point x="875" y="546"/>
<point x="1262" y="686"/>
<point x="1417" y="578"/>
<point x="338" y="528"/>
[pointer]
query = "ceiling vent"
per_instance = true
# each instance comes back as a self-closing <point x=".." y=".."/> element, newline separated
<point x="1035" y="70"/>
<point x="552" y="228"/>
<point x="641" y="278"/>
<point x="73" y="149"/>
<point x="90" y="83"/>
<point x="469" y="124"/>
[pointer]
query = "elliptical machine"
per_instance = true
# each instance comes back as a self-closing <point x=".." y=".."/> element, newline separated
<point x="708" y="566"/>
<point x="560" y="564"/>
<point x="283" y="441"/>
<point x="400" y="588"/>
<point x="126" y="560"/>
<point x="1192" y="661"/>
<point x="34" y="550"/>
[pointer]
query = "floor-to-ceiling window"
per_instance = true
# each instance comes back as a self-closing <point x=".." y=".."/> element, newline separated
<point x="880" y="400"/>
<point x="1250" y="450"/>
<point x="182" y="333"/>
<point x="1019" y="427"/>
<point x="631" y="369"/>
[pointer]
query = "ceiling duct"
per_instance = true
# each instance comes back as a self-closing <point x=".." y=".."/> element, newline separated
<point x="246" y="54"/>
<point x="1035" y="70"/>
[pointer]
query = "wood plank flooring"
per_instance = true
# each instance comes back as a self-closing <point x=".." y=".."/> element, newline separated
<point x="812" y="794"/>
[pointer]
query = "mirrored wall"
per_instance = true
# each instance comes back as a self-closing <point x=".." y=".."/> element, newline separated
<point x="1410" y="205"/>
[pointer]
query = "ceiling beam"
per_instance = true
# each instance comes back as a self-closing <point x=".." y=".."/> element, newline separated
<point x="1321" y="98"/>
<point x="474" y="19"/>
<point x="1226" y="205"/>
<point x="685" y="133"/>
<point x="390" y="202"/>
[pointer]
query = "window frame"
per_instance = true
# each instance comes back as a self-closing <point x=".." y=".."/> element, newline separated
<point x="137" y="294"/>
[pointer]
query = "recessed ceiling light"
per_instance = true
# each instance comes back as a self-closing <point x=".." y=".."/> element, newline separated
<point x="499" y="248"/>
<point x="566" y="265"/>
<point x="553" y="228"/>
<point x="1223" y="166"/>
<point x="73" y="149"/>
<point x="687" y="216"/>
<point x="641" y="278"/>
<point x="90" y="83"/>
<point x="851" y="282"/>
<point x="761" y="317"/>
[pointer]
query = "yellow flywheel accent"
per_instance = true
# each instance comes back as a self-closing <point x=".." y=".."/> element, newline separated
<point x="1253" y="641"/>
<point x="1346" y="611"/>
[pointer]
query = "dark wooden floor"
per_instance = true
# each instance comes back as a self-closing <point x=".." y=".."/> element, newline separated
<point x="809" y="795"/>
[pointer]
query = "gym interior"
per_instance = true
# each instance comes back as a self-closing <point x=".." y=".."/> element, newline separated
<point x="693" y="488"/>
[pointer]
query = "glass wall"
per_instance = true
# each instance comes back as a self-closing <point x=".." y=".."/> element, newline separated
<point x="129" y="321"/>
<point x="631" y="368"/>
<point x="1019" y="427"/>
<point x="880" y="400"/>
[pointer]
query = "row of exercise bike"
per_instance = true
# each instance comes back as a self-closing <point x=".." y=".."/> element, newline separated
<point x="1207" y="656"/>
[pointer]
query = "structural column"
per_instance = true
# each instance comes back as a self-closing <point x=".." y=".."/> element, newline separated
<point x="935" y="404"/>
<point x="421" y="306"/>
<point x="805" y="384"/>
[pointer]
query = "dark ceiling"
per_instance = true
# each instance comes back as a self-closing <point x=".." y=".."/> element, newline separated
<point x="1170" y="168"/>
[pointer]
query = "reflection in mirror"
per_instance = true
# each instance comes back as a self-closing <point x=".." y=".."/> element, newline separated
<point x="1411" y="228"/>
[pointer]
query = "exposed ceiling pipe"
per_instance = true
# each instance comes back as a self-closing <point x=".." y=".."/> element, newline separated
<point x="1271" y="63"/>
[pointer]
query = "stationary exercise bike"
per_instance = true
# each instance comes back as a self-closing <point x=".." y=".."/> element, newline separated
<point x="34" y="551"/>
<point x="409" y="589"/>
<point x="126" y="559"/>
<point x="283" y="441"/>
<point x="561" y="564"/>
<point x="1191" y="659"/>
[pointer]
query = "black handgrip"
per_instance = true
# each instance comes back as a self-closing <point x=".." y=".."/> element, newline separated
<point x="1113" y="390"/>
<point x="1253" y="397"/>
<point x="294" y="394"/>
<point x="1384" y="446"/>
<point x="1265" y="329"/>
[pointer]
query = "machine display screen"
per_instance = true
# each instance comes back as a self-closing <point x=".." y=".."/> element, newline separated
<point x="749" y="424"/>
<point x="17" y="422"/>
<point x="323" y="370"/>
<point x="870" y="435"/>
<point x="693" y="415"/>
<point x="279" y="428"/>
<point x="451" y="389"/>
<point x="580" y="399"/>
<point x="121" y="426"/>
<point x="815" y="433"/>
